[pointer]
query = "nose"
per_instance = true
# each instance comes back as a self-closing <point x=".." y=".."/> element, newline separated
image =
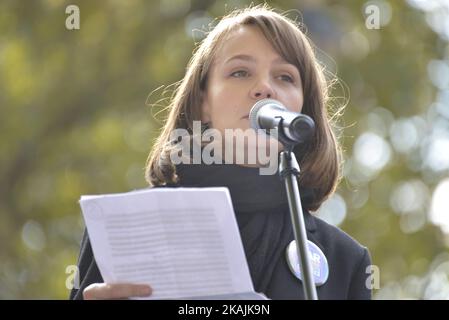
<point x="261" y="90"/>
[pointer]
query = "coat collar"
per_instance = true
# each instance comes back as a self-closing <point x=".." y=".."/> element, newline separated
<point x="309" y="218"/>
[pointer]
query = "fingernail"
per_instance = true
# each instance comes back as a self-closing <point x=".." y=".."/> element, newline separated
<point x="145" y="291"/>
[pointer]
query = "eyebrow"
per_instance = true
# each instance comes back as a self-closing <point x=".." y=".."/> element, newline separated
<point x="249" y="58"/>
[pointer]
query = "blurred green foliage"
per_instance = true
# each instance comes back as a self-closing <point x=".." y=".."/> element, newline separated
<point x="75" y="119"/>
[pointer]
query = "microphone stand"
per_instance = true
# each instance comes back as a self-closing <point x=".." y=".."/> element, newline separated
<point x="290" y="131"/>
<point x="289" y="171"/>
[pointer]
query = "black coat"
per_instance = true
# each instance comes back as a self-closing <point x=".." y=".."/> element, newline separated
<point x="262" y="213"/>
<point x="347" y="260"/>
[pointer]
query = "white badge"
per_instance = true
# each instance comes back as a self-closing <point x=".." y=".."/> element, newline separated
<point x="319" y="263"/>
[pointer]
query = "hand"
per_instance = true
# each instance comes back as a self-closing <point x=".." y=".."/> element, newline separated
<point x="116" y="291"/>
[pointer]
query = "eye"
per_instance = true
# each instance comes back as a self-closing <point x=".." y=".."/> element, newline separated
<point x="287" y="78"/>
<point x="239" y="73"/>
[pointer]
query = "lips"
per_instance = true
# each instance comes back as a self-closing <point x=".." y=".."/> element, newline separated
<point x="246" y="117"/>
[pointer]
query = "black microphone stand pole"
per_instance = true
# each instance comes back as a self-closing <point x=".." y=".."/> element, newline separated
<point x="289" y="172"/>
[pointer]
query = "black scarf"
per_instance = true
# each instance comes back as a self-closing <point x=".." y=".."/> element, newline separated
<point x="261" y="209"/>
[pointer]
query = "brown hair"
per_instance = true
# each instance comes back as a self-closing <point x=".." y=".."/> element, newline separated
<point x="319" y="160"/>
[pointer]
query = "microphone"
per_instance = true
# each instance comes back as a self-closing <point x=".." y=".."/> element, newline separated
<point x="294" y="128"/>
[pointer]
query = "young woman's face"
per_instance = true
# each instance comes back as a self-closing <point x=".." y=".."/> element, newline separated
<point x="245" y="70"/>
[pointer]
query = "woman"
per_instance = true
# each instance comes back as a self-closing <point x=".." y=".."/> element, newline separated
<point x="250" y="55"/>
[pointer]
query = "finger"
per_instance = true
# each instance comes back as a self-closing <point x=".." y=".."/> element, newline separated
<point x="116" y="291"/>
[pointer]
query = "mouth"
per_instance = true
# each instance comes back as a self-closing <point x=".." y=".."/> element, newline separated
<point x="246" y="117"/>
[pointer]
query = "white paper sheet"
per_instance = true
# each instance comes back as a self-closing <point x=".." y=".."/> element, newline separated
<point x="183" y="242"/>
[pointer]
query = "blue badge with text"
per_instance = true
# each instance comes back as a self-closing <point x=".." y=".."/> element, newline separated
<point x="318" y="260"/>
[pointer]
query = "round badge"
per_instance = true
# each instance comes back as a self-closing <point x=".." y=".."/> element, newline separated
<point x="318" y="260"/>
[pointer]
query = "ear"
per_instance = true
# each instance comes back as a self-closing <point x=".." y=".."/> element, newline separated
<point x="205" y="108"/>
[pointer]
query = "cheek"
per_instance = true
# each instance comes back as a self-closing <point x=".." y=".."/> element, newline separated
<point x="225" y="102"/>
<point x="295" y="101"/>
<point x="219" y="105"/>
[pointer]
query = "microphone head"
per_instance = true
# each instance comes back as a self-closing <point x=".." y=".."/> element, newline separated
<point x="303" y="128"/>
<point x="255" y="110"/>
